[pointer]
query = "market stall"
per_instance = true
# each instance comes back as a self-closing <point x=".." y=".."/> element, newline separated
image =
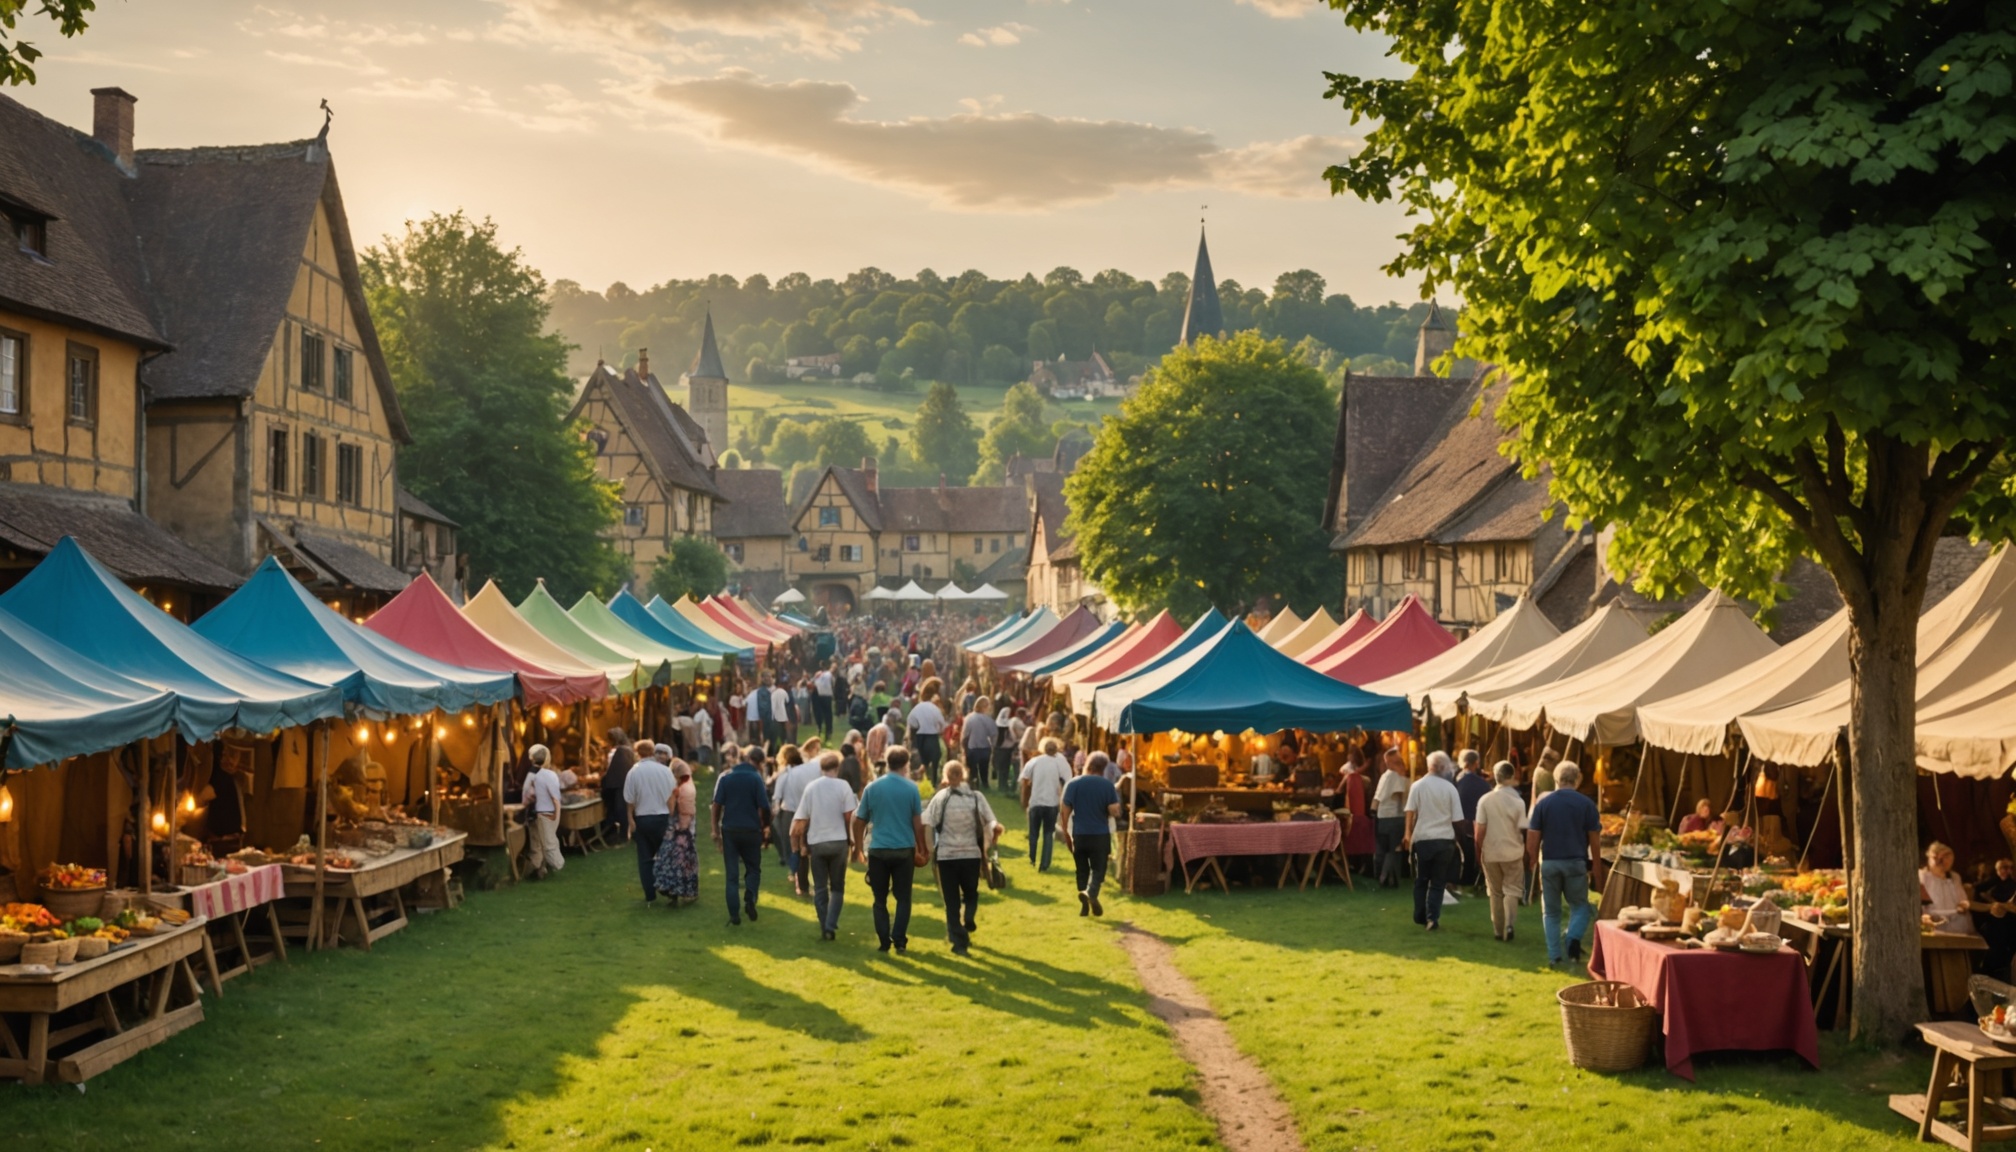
<point x="1039" y="666"/>
<point x="1140" y="644"/>
<point x="1020" y="632"/>
<point x="1280" y="626"/>
<point x="659" y="615"/>
<point x="359" y="889"/>
<point x="1085" y="691"/>
<point x="1354" y="628"/>
<point x="1607" y="632"/>
<point x="1312" y="631"/>
<point x="69" y="1022"/>
<point x="1408" y="637"/>
<point x="1516" y="631"/>
<point x="1065" y="634"/>
<point x="653" y="666"/>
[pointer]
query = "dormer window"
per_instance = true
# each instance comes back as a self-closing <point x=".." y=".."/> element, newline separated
<point x="31" y="234"/>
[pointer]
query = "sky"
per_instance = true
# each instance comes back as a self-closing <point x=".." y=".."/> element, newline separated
<point x="646" y="140"/>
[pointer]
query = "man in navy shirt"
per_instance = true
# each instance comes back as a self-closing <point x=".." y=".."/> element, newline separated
<point x="1566" y="832"/>
<point x="1088" y="805"/>
<point x="741" y="815"/>
<point x="1472" y="785"/>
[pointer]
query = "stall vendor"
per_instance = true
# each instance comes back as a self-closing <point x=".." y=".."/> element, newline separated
<point x="1699" y="819"/>
<point x="1945" y="901"/>
<point x="1995" y="899"/>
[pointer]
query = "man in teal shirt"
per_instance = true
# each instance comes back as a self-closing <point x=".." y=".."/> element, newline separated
<point x="890" y="819"/>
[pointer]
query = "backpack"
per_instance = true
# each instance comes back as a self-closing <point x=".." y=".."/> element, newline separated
<point x="858" y="717"/>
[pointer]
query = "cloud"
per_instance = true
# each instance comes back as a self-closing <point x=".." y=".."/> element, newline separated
<point x="670" y="27"/>
<point x="1284" y="9"/>
<point x="555" y="108"/>
<point x="986" y="160"/>
<point x="999" y="36"/>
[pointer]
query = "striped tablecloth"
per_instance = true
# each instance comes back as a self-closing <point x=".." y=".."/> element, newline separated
<point x="1272" y="838"/>
<point x="258" y="886"/>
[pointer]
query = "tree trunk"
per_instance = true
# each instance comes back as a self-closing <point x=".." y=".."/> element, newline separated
<point x="1883" y="896"/>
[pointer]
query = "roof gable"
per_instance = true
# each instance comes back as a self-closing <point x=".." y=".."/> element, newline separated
<point x="1383" y="422"/>
<point x="653" y="424"/>
<point x="1459" y="466"/>
<point x="755" y="504"/>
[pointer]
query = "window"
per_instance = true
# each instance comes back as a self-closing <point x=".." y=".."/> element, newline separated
<point x="850" y="553"/>
<point x="13" y="375"/>
<point x="311" y="465"/>
<point x="1011" y="540"/>
<point x="276" y="460"/>
<point x="311" y="361"/>
<point x="734" y="552"/>
<point x="829" y="517"/>
<point x="802" y="545"/>
<point x="346" y="362"/>
<point x="31" y="233"/>
<point x="994" y="545"/>
<point x="633" y="515"/>
<point x="823" y="553"/>
<point x="350" y="473"/>
<point x="979" y="545"/>
<point x="913" y="543"/>
<point x="83" y="384"/>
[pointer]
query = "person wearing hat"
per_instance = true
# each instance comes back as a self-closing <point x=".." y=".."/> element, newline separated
<point x="542" y="792"/>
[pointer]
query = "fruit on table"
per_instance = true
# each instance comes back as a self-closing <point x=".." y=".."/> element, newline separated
<point x="26" y="917"/>
<point x="71" y="876"/>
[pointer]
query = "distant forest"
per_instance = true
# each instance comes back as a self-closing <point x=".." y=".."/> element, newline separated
<point x="967" y="329"/>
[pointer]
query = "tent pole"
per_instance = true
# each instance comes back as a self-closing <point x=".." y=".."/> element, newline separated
<point x="321" y="766"/>
<point x="146" y="837"/>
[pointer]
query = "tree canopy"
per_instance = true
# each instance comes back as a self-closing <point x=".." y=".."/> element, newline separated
<point x="691" y="566"/>
<point x="1207" y="490"/>
<point x="944" y="437"/>
<point x="1745" y="264"/>
<point x="1020" y="430"/>
<point x="18" y="56"/>
<point x="462" y="322"/>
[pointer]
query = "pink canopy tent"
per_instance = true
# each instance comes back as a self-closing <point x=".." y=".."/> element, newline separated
<point x="1408" y="637"/>
<point x="1355" y="627"/>
<point x="424" y="619"/>
<point x="735" y="625"/>
<point x="780" y="631"/>
<point x="1140" y="645"/>
<point x="1073" y="628"/>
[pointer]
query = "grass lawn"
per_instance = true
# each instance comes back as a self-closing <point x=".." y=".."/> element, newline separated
<point x="563" y="1014"/>
<point x="875" y="409"/>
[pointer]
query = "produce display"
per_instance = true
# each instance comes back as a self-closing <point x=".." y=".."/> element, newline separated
<point x="69" y="877"/>
<point x="26" y="918"/>
<point x="1818" y="897"/>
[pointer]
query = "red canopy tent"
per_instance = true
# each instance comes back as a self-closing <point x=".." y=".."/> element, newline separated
<point x="425" y="620"/>
<point x="779" y="630"/>
<point x="1136" y="648"/>
<point x="1070" y="630"/>
<point x="1406" y="638"/>
<point x="1355" y="627"/>
<point x="736" y="625"/>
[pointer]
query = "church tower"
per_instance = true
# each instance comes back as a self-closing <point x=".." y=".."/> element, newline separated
<point x="707" y="391"/>
<point x="1201" y="315"/>
<point x="1437" y="337"/>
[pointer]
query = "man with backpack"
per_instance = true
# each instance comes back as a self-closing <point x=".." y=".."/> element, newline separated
<point x="963" y="832"/>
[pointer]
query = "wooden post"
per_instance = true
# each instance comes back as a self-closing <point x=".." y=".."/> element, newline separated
<point x="146" y="837"/>
<point x="320" y="766"/>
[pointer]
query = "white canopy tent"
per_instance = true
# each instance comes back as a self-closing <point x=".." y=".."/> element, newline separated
<point x="952" y="592"/>
<point x="1608" y="632"/>
<point x="788" y="596"/>
<point x="879" y="593"/>
<point x="913" y="593"/>
<point x="986" y="592"/>
<point x="1698" y="722"/>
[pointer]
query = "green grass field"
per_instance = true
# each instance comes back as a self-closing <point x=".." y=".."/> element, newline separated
<point x="564" y="1014"/>
<point x="875" y="410"/>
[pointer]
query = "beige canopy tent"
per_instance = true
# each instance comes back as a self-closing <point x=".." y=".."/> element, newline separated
<point x="1281" y="625"/>
<point x="1607" y="632"/>
<point x="1600" y="704"/>
<point x="1311" y="632"/>
<point x="1699" y="721"/>
<point x="1517" y="630"/>
<point x="1966" y="645"/>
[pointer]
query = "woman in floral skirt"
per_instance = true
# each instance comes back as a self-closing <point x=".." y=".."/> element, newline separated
<point x="677" y="871"/>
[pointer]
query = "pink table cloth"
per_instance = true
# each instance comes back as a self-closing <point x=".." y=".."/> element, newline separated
<point x="1712" y="1001"/>
<point x="257" y="886"/>
<point x="1274" y="838"/>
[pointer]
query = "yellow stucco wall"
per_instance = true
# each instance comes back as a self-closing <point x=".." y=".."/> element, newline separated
<point x="42" y="445"/>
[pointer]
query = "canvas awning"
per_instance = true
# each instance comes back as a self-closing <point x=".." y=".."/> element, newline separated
<point x="680" y="661"/>
<point x="275" y="621"/>
<point x="56" y="703"/>
<point x="1319" y="627"/>
<point x="494" y="613"/>
<point x="1600" y="705"/>
<point x="1085" y="692"/>
<point x="698" y="618"/>
<point x="549" y="618"/>
<point x="732" y="623"/>
<point x="1236" y="682"/>
<point x="1699" y="722"/>
<point x="913" y="593"/>
<point x="673" y="630"/>
<point x="999" y="629"/>
<point x="1141" y="644"/>
<point x="423" y="619"/>
<point x="76" y="601"/>
<point x="951" y="592"/>
<point x="1030" y="627"/>
<point x="1283" y="623"/>
<point x="1405" y="639"/>
<point x="1067" y="632"/>
<point x="1608" y="631"/>
<point x="1517" y="630"/>
<point x="763" y="624"/>
<point x="1355" y="627"/>
<point x="788" y="596"/>
<point x="987" y="592"/>
<point x="878" y="593"/>
<point x="1084" y="646"/>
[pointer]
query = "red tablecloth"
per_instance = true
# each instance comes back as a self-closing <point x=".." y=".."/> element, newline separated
<point x="1709" y="1000"/>
<point x="257" y="886"/>
<point x="1273" y="838"/>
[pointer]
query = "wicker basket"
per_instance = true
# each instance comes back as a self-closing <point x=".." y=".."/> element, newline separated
<point x="92" y="947"/>
<point x="1608" y="1025"/>
<point x="43" y="954"/>
<point x="70" y="903"/>
<point x="11" y="944"/>
<point x="66" y="950"/>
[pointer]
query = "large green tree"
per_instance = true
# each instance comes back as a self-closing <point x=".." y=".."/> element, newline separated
<point x="691" y="566"/>
<point x="1746" y="264"/>
<point x="1019" y="430"/>
<point x="944" y="438"/>
<point x="463" y="324"/>
<point x="1207" y="489"/>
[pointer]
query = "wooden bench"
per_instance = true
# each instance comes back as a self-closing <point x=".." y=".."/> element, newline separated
<point x="1968" y="1069"/>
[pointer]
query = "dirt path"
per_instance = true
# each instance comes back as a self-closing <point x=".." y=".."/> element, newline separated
<point x="1250" y="1114"/>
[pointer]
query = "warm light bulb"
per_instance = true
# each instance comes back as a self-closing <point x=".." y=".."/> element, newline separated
<point x="468" y="721"/>
<point x="440" y="732"/>
<point x="550" y="715"/>
<point x="188" y="803"/>
<point x="6" y="804"/>
<point x="363" y="734"/>
<point x="161" y="822"/>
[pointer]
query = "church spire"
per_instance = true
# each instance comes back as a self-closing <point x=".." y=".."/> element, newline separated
<point x="707" y="365"/>
<point x="1202" y="316"/>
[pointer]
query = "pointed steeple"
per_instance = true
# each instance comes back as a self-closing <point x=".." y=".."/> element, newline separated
<point x="707" y="365"/>
<point x="1437" y="337"/>
<point x="1202" y="316"/>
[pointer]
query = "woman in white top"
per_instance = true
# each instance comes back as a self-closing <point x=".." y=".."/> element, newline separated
<point x="1944" y="896"/>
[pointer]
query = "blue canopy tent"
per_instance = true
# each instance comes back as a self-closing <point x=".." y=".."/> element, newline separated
<point x="273" y="620"/>
<point x="77" y="602"/>
<point x="1044" y="665"/>
<point x="55" y="703"/>
<point x="998" y="630"/>
<point x="1085" y="692"/>
<point x="1239" y="682"/>
<point x="676" y="632"/>
<point x="679" y="625"/>
<point x="1028" y="628"/>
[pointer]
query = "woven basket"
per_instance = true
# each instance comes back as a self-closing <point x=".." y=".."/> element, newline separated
<point x="66" y="950"/>
<point x="1608" y="1025"/>
<point x="11" y="944"/>
<point x="92" y="947"/>
<point x="70" y="903"/>
<point x="44" y="954"/>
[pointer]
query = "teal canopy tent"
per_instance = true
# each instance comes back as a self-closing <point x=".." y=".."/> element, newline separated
<point x="1237" y="682"/>
<point x="55" y="703"/>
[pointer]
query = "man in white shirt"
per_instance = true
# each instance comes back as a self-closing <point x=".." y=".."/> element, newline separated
<point x="1433" y="808"/>
<point x="819" y="834"/>
<point x="1043" y="781"/>
<point x="1501" y="846"/>
<point x="822" y="702"/>
<point x="703" y="734"/>
<point x="927" y="737"/>
<point x="1389" y="800"/>
<point x="785" y="794"/>
<point x="647" y="793"/>
<point x="780" y="718"/>
<point x="542" y="794"/>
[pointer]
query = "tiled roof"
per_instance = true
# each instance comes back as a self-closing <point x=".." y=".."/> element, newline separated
<point x="412" y="505"/>
<point x="992" y="509"/>
<point x="654" y="424"/>
<point x="1456" y="469"/>
<point x="1383" y="423"/>
<point x="33" y="518"/>
<point x="351" y="564"/>
<point x="755" y="504"/>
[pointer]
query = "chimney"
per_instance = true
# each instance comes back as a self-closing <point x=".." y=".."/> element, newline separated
<point x="112" y="123"/>
<point x="644" y="363"/>
<point x="868" y="473"/>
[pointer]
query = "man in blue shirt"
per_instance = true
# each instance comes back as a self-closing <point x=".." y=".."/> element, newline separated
<point x="1088" y="803"/>
<point x="741" y="816"/>
<point x="1472" y="785"/>
<point x="1566" y="832"/>
<point x="890" y="818"/>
